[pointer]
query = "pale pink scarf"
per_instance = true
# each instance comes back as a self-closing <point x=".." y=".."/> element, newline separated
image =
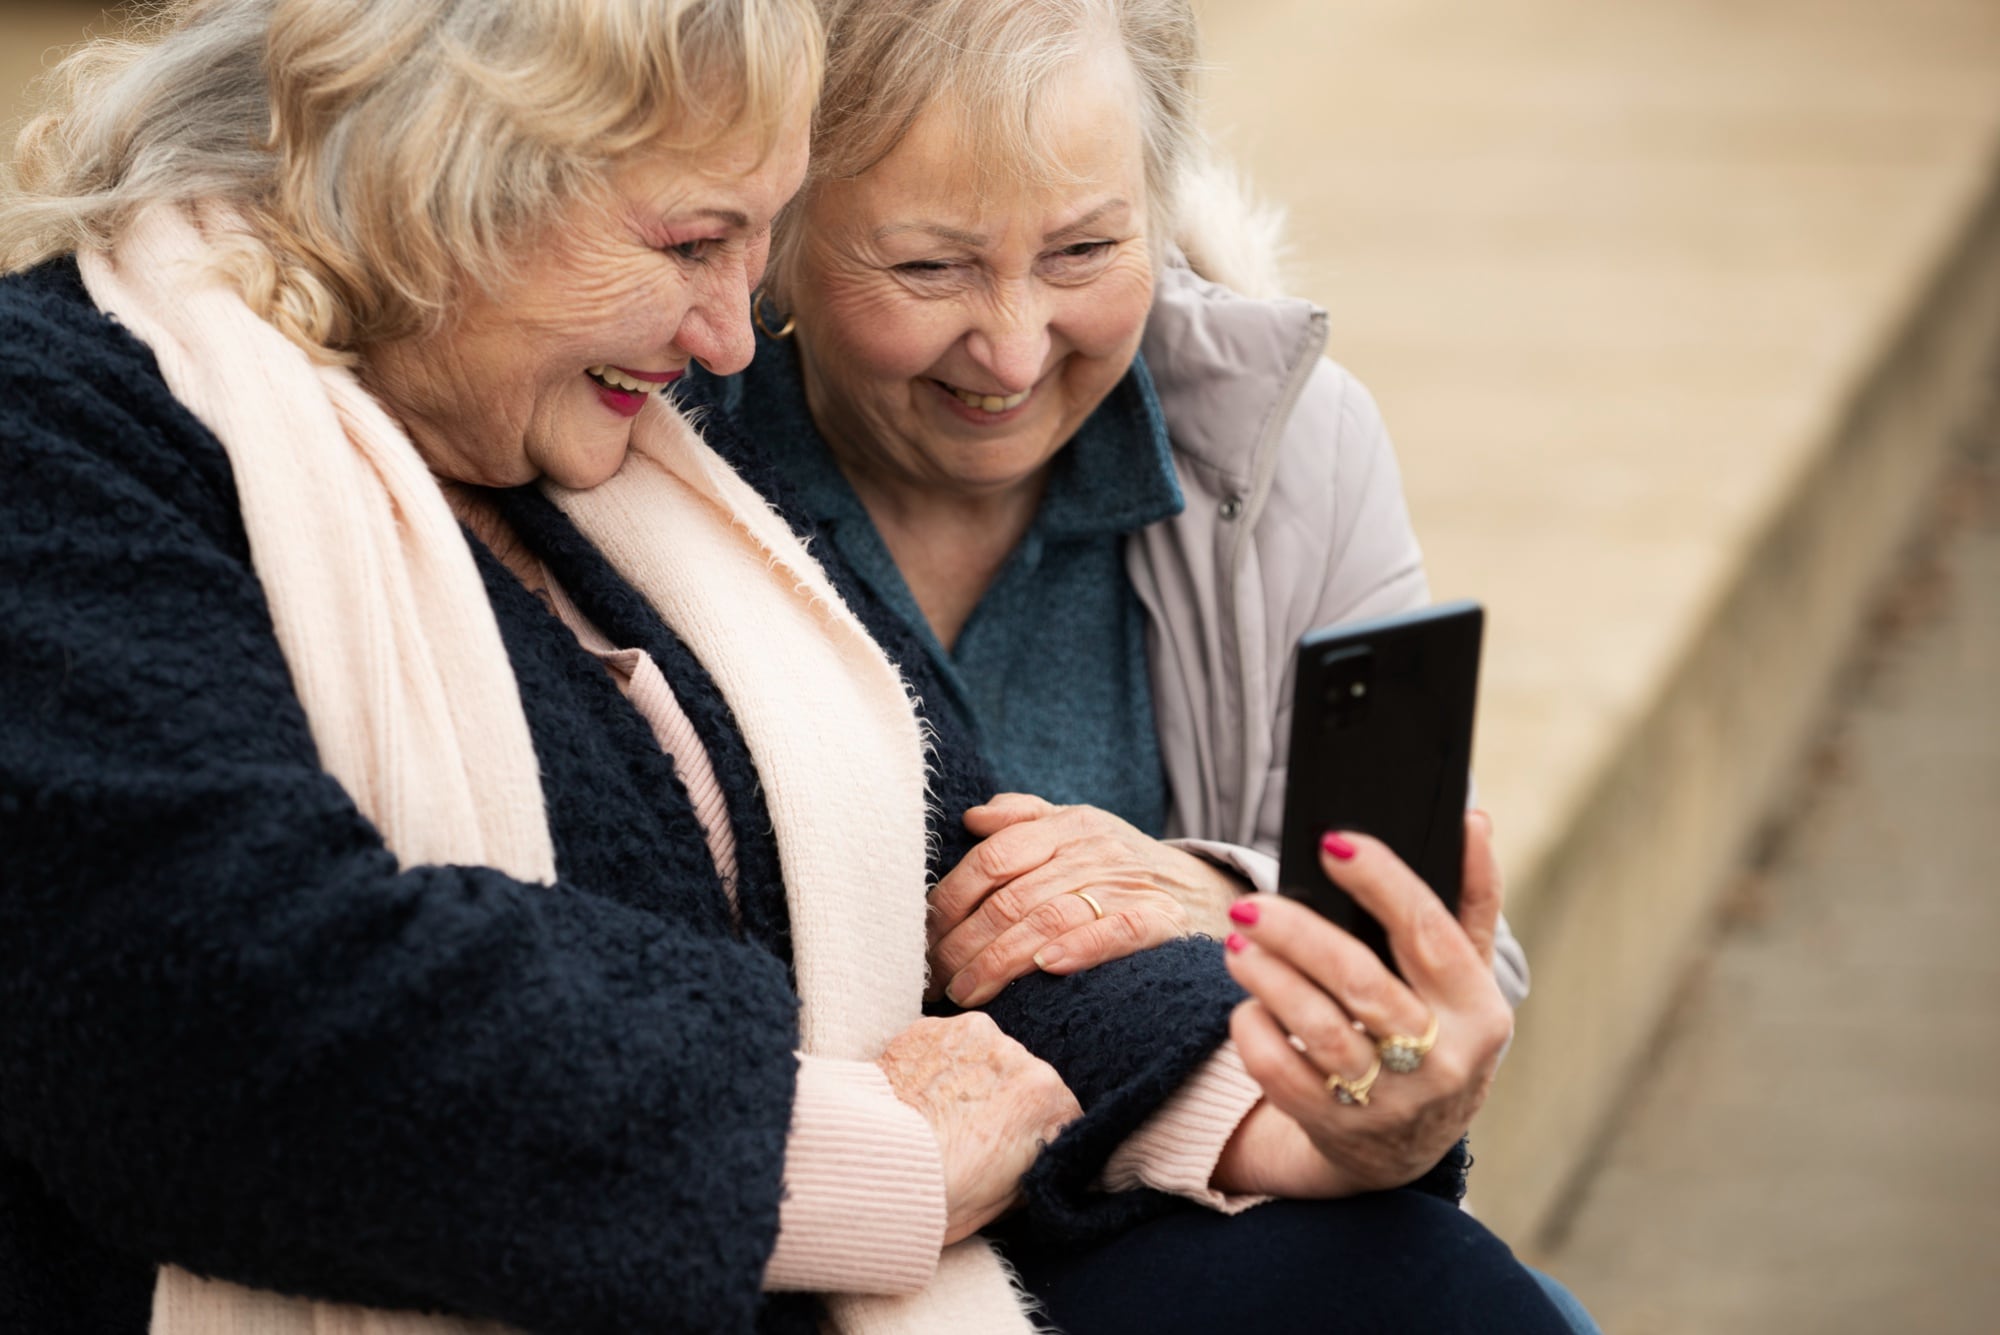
<point x="398" y="661"/>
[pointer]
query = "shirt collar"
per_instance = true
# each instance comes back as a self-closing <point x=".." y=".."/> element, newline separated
<point x="1116" y="475"/>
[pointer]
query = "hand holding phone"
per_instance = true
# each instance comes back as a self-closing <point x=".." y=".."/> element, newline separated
<point x="1382" y="719"/>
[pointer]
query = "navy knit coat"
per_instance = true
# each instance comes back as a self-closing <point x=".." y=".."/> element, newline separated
<point x="235" y="1037"/>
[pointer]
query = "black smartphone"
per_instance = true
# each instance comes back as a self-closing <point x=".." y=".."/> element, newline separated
<point x="1382" y="716"/>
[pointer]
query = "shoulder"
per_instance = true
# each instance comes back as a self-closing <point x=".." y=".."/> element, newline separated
<point x="1226" y="366"/>
<point x="1257" y="410"/>
<point x="1334" y="437"/>
<point x="51" y="333"/>
<point x="83" y="407"/>
<point x="1258" y="413"/>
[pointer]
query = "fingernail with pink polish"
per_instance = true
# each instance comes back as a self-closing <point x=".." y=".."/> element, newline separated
<point x="1335" y="846"/>
<point x="1236" y="942"/>
<point x="1243" y="911"/>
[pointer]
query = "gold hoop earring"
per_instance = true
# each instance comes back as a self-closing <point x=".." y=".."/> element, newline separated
<point x="757" y="317"/>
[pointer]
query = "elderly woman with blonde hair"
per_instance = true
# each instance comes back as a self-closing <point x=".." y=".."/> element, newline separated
<point x="459" y="855"/>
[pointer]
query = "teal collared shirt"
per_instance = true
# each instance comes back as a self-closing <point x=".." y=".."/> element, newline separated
<point x="1049" y="672"/>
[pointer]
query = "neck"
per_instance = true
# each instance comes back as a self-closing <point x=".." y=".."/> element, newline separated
<point x="948" y="543"/>
<point x="949" y="547"/>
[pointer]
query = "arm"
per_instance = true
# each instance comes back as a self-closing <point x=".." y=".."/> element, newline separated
<point x="235" y="1036"/>
<point x="1125" y="1037"/>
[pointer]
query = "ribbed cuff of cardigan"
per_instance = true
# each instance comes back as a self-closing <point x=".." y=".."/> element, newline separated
<point x="1176" y="1149"/>
<point x="864" y="1208"/>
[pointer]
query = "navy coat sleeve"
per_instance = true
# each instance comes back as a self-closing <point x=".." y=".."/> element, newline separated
<point x="233" y="1035"/>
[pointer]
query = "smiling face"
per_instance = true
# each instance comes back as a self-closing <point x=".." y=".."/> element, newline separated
<point x="955" y="335"/>
<point x="610" y="304"/>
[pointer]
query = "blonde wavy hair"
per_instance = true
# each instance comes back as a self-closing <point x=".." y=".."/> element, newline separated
<point x="386" y="152"/>
<point x="990" y="65"/>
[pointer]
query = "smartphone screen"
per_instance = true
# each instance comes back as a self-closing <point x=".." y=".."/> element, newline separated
<point x="1382" y="715"/>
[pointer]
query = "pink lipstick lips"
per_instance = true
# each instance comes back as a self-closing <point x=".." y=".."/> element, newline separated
<point x="625" y="391"/>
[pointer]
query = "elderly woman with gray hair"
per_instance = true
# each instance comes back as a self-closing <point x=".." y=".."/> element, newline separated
<point x="462" y="860"/>
<point x="1024" y="367"/>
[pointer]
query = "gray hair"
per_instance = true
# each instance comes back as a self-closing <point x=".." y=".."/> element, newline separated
<point x="384" y="152"/>
<point x="889" y="61"/>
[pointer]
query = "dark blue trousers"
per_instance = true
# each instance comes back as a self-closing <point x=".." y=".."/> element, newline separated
<point x="1397" y="1261"/>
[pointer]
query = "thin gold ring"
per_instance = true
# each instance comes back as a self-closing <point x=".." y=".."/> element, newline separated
<point x="1354" y="1092"/>
<point x="1095" y="907"/>
<point x="1403" y="1054"/>
<point x="757" y="317"/>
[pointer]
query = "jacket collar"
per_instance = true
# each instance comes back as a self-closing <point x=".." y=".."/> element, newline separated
<point x="1228" y="367"/>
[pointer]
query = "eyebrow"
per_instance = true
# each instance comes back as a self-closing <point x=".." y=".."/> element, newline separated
<point x="1085" y="223"/>
<point x="954" y="235"/>
<point x="974" y="240"/>
<point x="727" y="217"/>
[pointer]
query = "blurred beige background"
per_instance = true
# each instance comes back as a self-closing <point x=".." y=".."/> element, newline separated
<point x="1683" y="315"/>
<point x="31" y="32"/>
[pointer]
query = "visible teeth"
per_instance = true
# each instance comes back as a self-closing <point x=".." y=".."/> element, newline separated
<point x="992" y="403"/>
<point x="617" y="379"/>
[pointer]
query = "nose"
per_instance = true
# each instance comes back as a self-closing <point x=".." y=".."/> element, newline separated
<point x="1012" y="342"/>
<point x="715" y="331"/>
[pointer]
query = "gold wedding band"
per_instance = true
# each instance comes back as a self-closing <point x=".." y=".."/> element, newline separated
<point x="1403" y="1054"/>
<point x="1353" y="1092"/>
<point x="1095" y="907"/>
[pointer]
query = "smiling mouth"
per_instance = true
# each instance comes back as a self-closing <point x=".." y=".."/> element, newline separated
<point x="986" y="403"/>
<point x="631" y="382"/>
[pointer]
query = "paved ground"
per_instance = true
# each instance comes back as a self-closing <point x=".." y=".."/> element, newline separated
<point x="1817" y="1144"/>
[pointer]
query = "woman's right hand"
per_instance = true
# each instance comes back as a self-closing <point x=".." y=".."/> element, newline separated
<point x="1320" y="999"/>
<point x="991" y="1103"/>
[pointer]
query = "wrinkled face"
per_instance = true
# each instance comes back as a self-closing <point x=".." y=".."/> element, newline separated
<point x="954" y="337"/>
<point x="610" y="306"/>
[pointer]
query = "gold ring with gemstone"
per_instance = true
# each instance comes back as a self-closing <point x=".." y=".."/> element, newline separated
<point x="1403" y="1054"/>
<point x="1353" y="1092"/>
<point x="1095" y="907"/>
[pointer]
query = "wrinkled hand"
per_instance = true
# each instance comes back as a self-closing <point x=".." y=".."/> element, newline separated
<point x="991" y="1104"/>
<point x="1007" y="909"/>
<point x="1312" y="981"/>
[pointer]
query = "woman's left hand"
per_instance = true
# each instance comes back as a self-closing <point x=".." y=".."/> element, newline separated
<point x="1321" y="1000"/>
<point x="1017" y="902"/>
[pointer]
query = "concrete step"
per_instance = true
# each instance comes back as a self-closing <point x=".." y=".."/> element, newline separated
<point x="1810" y="1145"/>
<point x="1673" y="310"/>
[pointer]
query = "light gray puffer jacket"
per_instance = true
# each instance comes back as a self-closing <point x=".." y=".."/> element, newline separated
<point x="1295" y="518"/>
